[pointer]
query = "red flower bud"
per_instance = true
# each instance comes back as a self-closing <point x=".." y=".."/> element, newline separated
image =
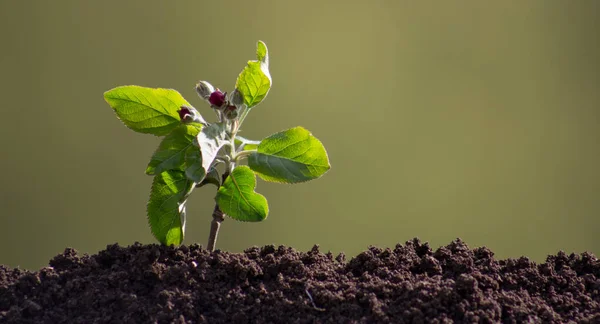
<point x="217" y="98"/>
<point x="185" y="112"/>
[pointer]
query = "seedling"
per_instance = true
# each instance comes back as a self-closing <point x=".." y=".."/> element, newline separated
<point x="194" y="153"/>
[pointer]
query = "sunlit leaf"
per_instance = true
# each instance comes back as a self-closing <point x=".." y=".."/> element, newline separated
<point x="237" y="197"/>
<point x="170" y="154"/>
<point x="290" y="156"/>
<point x="166" y="207"/>
<point x="146" y="110"/>
<point x="254" y="82"/>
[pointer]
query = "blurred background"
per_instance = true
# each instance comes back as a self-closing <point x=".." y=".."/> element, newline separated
<point x="442" y="120"/>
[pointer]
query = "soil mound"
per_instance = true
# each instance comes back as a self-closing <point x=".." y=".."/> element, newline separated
<point x="407" y="284"/>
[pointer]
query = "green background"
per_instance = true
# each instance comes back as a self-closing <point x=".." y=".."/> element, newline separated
<point x="441" y="119"/>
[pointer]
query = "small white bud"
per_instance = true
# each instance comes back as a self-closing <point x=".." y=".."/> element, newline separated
<point x="231" y="112"/>
<point x="204" y="89"/>
<point x="236" y="98"/>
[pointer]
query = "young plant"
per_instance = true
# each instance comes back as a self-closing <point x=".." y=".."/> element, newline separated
<point x="194" y="152"/>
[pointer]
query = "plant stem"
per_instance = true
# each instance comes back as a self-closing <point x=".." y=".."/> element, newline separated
<point x="243" y="115"/>
<point x="218" y="217"/>
<point x="215" y="224"/>
<point x="243" y="154"/>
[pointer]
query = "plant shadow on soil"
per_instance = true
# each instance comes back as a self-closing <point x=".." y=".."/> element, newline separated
<point x="407" y="284"/>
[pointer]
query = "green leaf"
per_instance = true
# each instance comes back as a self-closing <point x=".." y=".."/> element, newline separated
<point x="290" y="156"/>
<point x="146" y="110"/>
<point x="250" y="147"/>
<point x="237" y="197"/>
<point x="166" y="207"/>
<point x="193" y="160"/>
<point x="199" y="158"/>
<point x="171" y="152"/>
<point x="212" y="177"/>
<point x="262" y="53"/>
<point x="210" y="140"/>
<point x="254" y="82"/>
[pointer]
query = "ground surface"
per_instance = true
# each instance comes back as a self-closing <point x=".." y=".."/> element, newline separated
<point x="409" y="284"/>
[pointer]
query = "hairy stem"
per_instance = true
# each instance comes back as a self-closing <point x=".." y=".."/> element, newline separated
<point x="215" y="224"/>
<point x="243" y="154"/>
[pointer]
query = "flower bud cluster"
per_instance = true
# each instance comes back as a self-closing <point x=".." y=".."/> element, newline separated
<point x="226" y="106"/>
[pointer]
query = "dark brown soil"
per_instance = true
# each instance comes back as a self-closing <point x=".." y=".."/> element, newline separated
<point x="409" y="284"/>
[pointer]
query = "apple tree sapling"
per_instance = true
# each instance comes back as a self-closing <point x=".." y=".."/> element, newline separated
<point x="194" y="152"/>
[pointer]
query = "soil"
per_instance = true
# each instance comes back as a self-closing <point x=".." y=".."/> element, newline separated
<point x="407" y="284"/>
